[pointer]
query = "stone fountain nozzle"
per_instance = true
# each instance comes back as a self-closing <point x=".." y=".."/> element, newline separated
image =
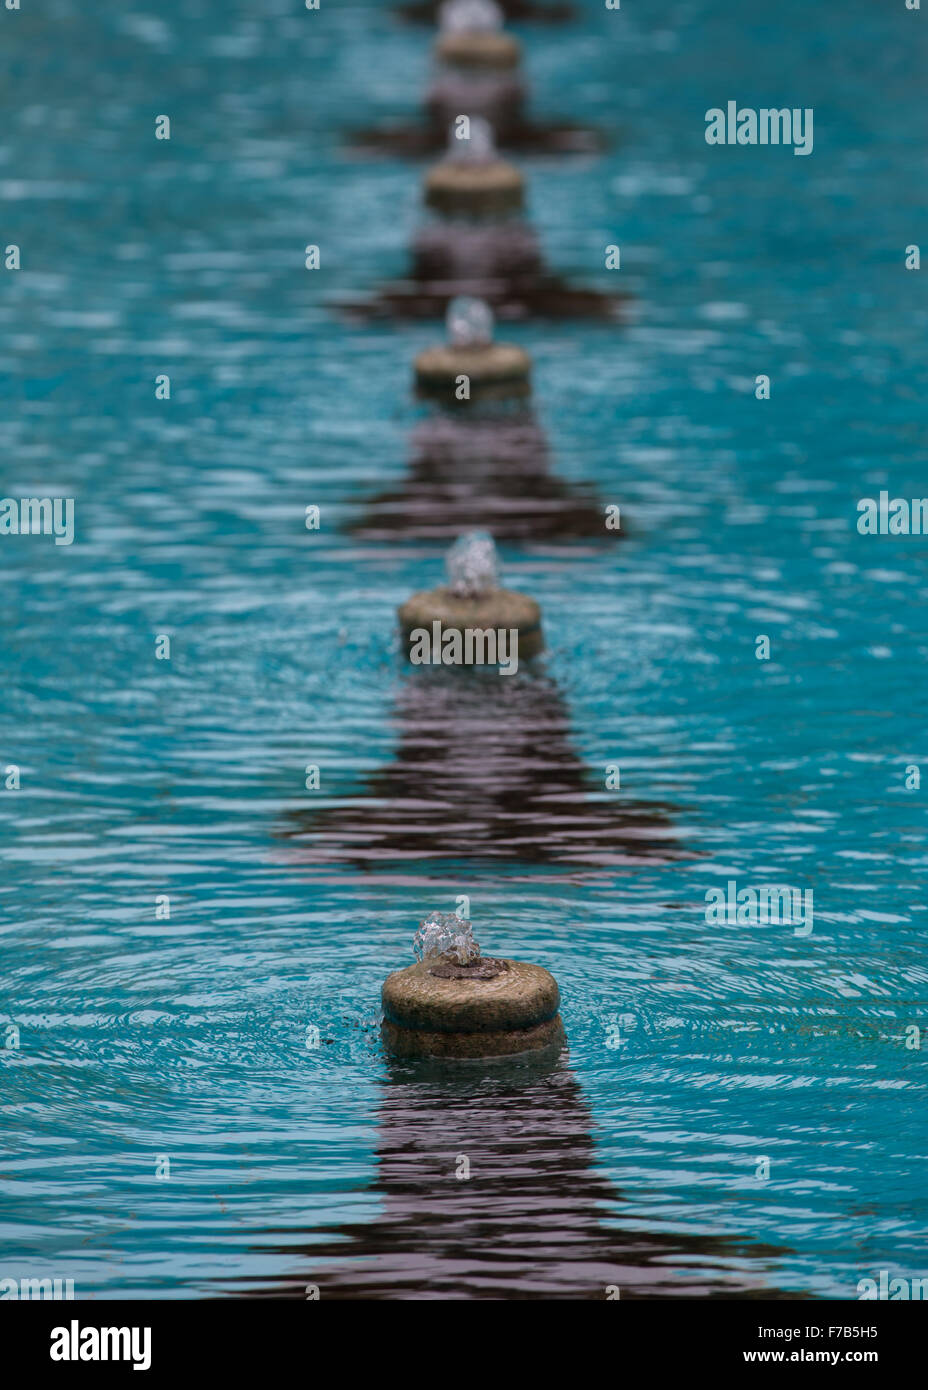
<point x="471" y="620"/>
<point x="455" y="1003"/>
<point x="470" y="365"/>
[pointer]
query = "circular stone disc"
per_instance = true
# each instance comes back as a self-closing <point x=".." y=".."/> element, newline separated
<point x="501" y="608"/>
<point x="497" y="51"/>
<point x="495" y="365"/>
<point x="494" y="187"/>
<point x="521" y="996"/>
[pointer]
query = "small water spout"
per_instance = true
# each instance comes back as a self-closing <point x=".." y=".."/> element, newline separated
<point x="470" y="17"/>
<point x="472" y="565"/>
<point x="477" y="147"/>
<point x="446" y="934"/>
<point x="469" y="322"/>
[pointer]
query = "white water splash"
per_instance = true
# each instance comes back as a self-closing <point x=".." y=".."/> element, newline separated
<point x="472" y="565"/>
<point x="477" y="147"/>
<point x="469" y="322"/>
<point x="446" y="934"/>
<point x="470" y="17"/>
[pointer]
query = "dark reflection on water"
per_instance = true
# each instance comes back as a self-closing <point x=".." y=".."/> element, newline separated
<point x="501" y="100"/>
<point x="517" y="297"/>
<point x="491" y="471"/>
<point x="528" y="1222"/>
<point x="484" y="769"/>
<point x="500" y="262"/>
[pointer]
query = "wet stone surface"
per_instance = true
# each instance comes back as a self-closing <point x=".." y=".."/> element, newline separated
<point x="485" y="969"/>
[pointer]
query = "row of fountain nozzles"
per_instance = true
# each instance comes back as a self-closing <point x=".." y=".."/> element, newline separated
<point x="454" y="1003"/>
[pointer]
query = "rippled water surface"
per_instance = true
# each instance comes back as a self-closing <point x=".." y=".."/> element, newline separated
<point x="694" y="1050"/>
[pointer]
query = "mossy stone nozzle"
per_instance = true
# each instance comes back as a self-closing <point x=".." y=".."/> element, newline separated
<point x="498" y="369"/>
<point x="460" y="623"/>
<point x="493" y="370"/>
<point x="474" y="188"/>
<point x="455" y="1003"/>
<point x="479" y="51"/>
<point x="472" y="181"/>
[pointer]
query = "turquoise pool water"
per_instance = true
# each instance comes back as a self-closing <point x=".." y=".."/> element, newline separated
<point x="634" y="1161"/>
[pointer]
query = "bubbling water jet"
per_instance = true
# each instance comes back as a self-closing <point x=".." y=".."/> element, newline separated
<point x="469" y="322"/>
<point x="473" y="566"/>
<point x="446" y="933"/>
<point x="469" y="16"/>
